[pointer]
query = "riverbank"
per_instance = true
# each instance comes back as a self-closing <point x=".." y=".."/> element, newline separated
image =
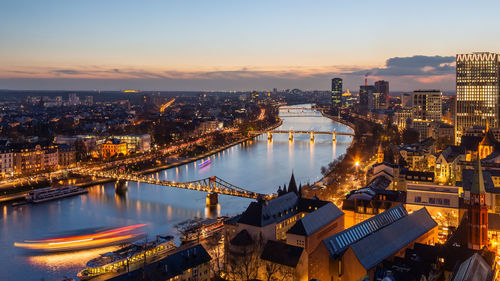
<point x="342" y="175"/>
<point x="206" y="154"/>
<point x="21" y="195"/>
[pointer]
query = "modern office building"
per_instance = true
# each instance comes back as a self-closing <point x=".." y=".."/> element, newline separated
<point x="336" y="92"/>
<point x="426" y="105"/>
<point x="366" y="96"/>
<point x="382" y="87"/>
<point x="478" y="92"/>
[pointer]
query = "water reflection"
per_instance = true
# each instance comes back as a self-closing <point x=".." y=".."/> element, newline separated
<point x="258" y="165"/>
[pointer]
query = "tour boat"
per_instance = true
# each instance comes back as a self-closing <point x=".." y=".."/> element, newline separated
<point x="52" y="193"/>
<point x="86" y="239"/>
<point x="204" y="164"/>
<point x="119" y="260"/>
<point x="197" y="230"/>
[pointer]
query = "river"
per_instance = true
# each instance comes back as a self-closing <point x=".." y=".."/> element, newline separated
<point x="258" y="165"/>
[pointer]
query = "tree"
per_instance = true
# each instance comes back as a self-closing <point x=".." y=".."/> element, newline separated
<point x="278" y="272"/>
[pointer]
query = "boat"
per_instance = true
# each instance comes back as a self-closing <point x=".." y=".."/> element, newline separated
<point x="204" y="163"/>
<point x="119" y="260"/>
<point x="52" y="193"/>
<point x="197" y="229"/>
<point x="85" y="239"/>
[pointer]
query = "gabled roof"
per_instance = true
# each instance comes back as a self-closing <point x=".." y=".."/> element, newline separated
<point x="467" y="179"/>
<point x="474" y="268"/>
<point x="382" y="244"/>
<point x="337" y="244"/>
<point x="314" y="221"/>
<point x="452" y="152"/>
<point x="243" y="238"/>
<point x="488" y="140"/>
<point x="265" y="212"/>
<point x="470" y="142"/>
<point x="282" y="253"/>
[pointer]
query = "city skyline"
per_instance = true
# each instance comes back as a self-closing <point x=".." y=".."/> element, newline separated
<point x="194" y="46"/>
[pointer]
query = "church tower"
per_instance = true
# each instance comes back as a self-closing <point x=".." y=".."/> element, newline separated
<point x="477" y="227"/>
<point x="380" y="154"/>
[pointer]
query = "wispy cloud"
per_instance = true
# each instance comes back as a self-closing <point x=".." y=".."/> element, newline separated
<point x="404" y="73"/>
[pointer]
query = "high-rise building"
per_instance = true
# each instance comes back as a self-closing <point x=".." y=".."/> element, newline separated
<point x="366" y="96"/>
<point x="336" y="93"/>
<point x="478" y="92"/>
<point x="382" y="87"/>
<point x="426" y="105"/>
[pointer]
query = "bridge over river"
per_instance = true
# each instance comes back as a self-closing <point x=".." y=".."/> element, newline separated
<point x="212" y="185"/>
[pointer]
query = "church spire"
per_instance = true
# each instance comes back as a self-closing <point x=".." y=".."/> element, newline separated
<point x="292" y="186"/>
<point x="477" y="180"/>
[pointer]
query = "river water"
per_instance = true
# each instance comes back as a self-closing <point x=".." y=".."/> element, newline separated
<point x="258" y="165"/>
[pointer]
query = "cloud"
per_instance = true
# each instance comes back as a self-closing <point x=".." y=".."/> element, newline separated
<point x="67" y="71"/>
<point x="403" y="73"/>
<point x="412" y="66"/>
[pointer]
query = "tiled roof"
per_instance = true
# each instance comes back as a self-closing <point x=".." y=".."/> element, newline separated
<point x="338" y="243"/>
<point x="281" y="253"/>
<point x="263" y="213"/>
<point x="494" y="221"/>
<point x="467" y="179"/>
<point x="314" y="221"/>
<point x="243" y="238"/>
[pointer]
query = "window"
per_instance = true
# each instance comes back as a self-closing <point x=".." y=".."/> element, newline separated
<point x="418" y="199"/>
<point x="446" y="202"/>
<point x="340" y="267"/>
<point x="439" y="201"/>
<point x="432" y="200"/>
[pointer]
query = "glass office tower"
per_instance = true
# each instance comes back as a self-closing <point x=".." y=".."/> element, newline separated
<point x="478" y="81"/>
<point x="337" y="93"/>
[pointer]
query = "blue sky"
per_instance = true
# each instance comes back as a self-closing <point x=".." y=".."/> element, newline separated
<point x="227" y="45"/>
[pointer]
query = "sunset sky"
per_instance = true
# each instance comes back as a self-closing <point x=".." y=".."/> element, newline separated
<point x="238" y="45"/>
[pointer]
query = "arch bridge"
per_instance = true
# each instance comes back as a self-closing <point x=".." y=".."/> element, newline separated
<point x="292" y="132"/>
<point x="212" y="185"/>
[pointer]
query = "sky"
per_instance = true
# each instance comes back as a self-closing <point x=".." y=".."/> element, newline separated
<point x="239" y="45"/>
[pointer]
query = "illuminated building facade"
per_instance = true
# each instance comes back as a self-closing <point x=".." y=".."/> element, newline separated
<point x="478" y="81"/>
<point x="426" y="105"/>
<point x="337" y="93"/>
<point x="113" y="147"/>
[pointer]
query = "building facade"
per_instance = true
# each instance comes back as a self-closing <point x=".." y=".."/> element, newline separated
<point x="478" y="92"/>
<point x="426" y="105"/>
<point x="336" y="93"/>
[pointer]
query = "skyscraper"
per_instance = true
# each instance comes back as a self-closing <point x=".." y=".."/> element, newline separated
<point x="336" y="93"/>
<point x="426" y="105"/>
<point x="366" y="96"/>
<point x="478" y="92"/>
<point x="382" y="87"/>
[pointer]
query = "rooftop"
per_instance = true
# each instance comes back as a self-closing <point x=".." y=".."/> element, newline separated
<point x="282" y="253"/>
<point x="312" y="222"/>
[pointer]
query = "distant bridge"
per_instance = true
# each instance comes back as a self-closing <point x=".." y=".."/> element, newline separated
<point x="292" y="132"/>
<point x="212" y="185"/>
<point x="300" y="115"/>
<point x="302" y="108"/>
